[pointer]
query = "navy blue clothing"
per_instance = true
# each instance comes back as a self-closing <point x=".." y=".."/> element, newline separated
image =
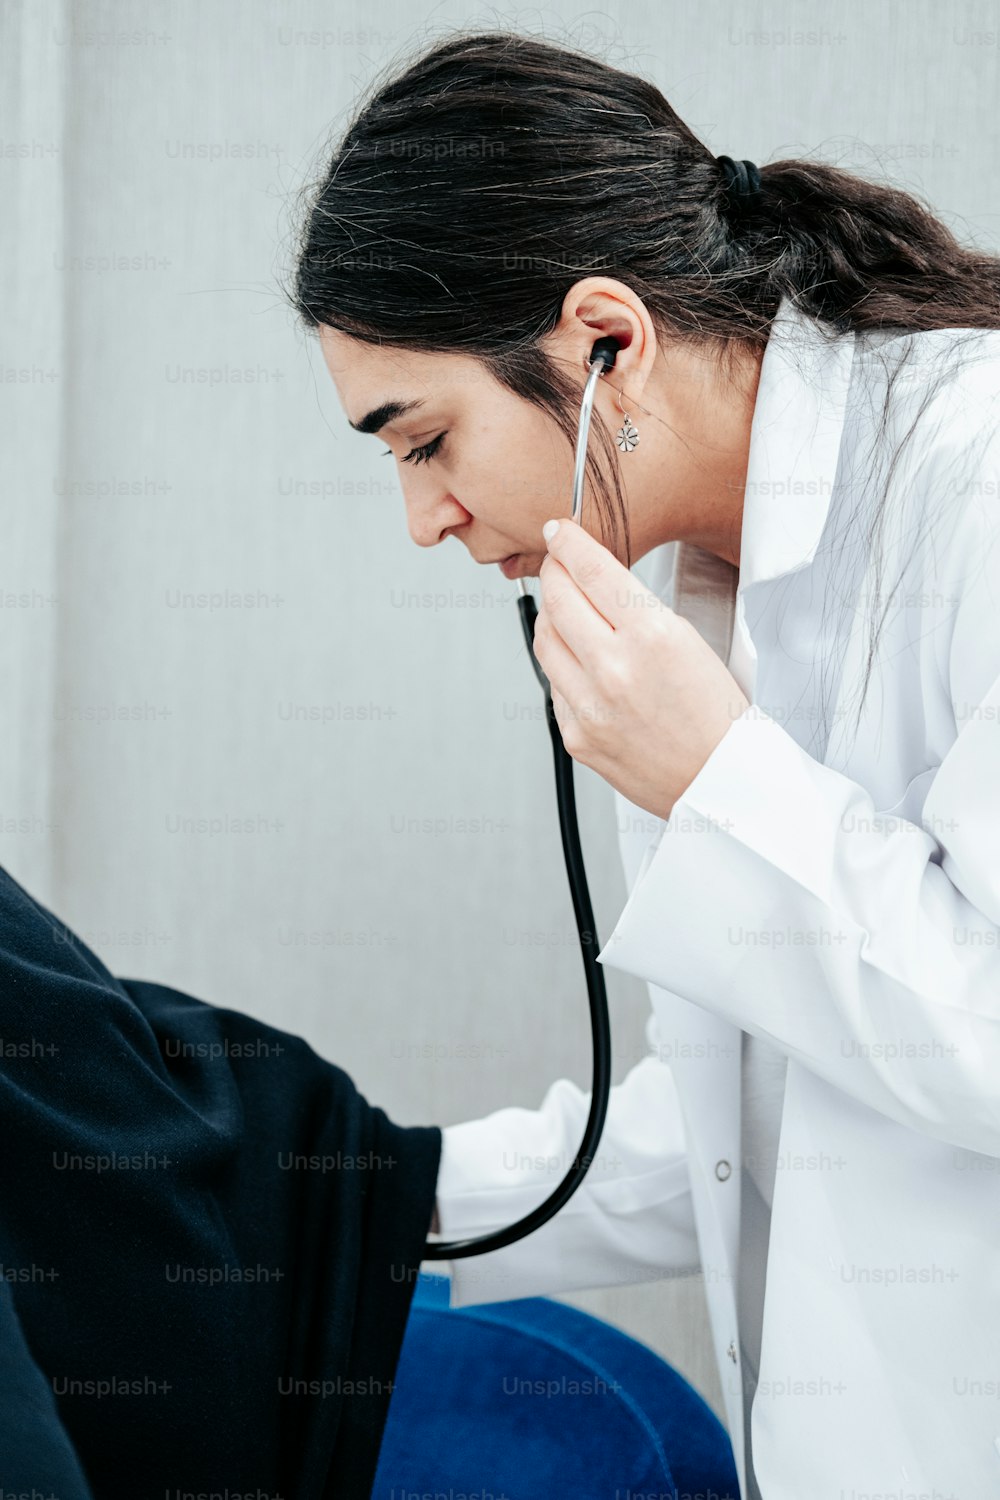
<point x="208" y="1240"/>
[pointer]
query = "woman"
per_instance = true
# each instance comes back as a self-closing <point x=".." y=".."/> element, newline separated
<point x="800" y="722"/>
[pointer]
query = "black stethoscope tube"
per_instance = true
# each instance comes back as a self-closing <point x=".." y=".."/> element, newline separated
<point x="600" y="1027"/>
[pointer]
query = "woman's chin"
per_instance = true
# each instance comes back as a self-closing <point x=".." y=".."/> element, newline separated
<point x="521" y="565"/>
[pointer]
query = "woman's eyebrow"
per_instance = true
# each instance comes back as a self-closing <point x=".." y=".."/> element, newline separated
<point x="380" y="415"/>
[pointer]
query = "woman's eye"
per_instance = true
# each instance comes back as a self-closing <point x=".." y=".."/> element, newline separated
<point x="425" y="451"/>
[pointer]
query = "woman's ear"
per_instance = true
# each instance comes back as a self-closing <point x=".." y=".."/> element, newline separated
<point x="597" y="307"/>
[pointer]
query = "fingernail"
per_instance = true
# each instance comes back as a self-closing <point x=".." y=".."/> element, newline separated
<point x="549" y="530"/>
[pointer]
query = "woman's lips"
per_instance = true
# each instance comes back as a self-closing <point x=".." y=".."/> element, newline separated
<point x="509" y="564"/>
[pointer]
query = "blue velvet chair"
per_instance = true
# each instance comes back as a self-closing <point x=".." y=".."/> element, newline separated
<point x="529" y="1399"/>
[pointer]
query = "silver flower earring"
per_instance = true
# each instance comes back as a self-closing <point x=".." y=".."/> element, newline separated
<point x="627" y="435"/>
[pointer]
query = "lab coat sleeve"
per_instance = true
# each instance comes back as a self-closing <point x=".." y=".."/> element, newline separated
<point x="631" y="1219"/>
<point x="866" y="947"/>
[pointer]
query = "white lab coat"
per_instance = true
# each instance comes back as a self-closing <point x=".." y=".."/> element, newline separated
<point x="843" y="905"/>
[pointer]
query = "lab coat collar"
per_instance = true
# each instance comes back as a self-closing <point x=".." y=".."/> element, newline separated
<point x="795" y="438"/>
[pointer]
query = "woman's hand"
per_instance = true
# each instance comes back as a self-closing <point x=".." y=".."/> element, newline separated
<point x="639" y="696"/>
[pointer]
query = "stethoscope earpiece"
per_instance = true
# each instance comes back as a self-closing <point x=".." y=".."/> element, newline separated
<point x="602" y="359"/>
<point x="605" y="349"/>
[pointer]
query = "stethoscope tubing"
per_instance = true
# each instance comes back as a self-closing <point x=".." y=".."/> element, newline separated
<point x="600" y="1027"/>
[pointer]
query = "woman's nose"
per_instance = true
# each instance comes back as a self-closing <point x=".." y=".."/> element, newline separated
<point x="432" y="513"/>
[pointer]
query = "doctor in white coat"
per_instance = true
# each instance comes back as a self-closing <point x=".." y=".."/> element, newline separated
<point x="798" y="713"/>
<point x="817" y="915"/>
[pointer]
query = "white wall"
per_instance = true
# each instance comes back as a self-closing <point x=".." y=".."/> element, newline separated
<point x="125" y="484"/>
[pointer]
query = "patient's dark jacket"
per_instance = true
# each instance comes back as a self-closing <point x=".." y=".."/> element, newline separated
<point x="209" y="1240"/>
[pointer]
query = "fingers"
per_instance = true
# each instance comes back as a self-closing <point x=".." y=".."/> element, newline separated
<point x="582" y="628"/>
<point x="603" y="581"/>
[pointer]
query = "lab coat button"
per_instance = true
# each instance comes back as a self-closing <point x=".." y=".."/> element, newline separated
<point x="731" y="1351"/>
<point x="722" y="1170"/>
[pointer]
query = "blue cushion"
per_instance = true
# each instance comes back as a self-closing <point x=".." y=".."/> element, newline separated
<point x="512" y="1399"/>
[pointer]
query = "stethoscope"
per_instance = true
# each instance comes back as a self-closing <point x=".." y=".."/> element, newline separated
<point x="602" y="358"/>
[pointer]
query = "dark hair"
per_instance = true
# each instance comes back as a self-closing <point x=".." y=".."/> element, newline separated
<point x="473" y="188"/>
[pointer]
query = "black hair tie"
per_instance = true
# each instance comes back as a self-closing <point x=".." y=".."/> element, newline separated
<point x="742" y="182"/>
